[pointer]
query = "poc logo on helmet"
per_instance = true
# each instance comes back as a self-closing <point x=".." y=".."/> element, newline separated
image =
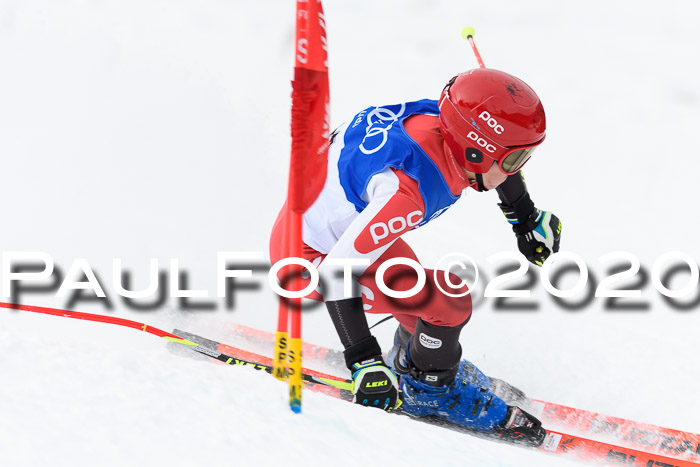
<point x="490" y="121"/>
<point x="481" y="142"/>
<point x="380" y="230"/>
<point x="429" y="342"/>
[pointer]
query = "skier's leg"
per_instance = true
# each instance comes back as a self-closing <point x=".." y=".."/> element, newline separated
<point x="435" y="317"/>
<point x="427" y="347"/>
<point x="427" y="354"/>
<point x="429" y="304"/>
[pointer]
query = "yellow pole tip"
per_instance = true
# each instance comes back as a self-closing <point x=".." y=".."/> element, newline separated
<point x="468" y="31"/>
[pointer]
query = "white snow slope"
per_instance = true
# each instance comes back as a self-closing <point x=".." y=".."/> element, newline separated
<point x="152" y="129"/>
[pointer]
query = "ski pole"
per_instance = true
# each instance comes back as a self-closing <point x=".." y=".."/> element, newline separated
<point x="468" y="34"/>
<point x="100" y="319"/>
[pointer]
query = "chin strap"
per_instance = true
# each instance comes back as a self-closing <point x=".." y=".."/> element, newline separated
<point x="480" y="183"/>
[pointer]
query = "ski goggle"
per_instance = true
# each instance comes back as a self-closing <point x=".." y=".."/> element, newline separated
<point x="515" y="160"/>
<point x="478" y="151"/>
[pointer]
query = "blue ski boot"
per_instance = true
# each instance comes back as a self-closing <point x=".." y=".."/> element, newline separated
<point x="460" y="395"/>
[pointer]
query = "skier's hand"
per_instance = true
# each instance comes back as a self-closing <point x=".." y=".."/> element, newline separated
<point x="538" y="237"/>
<point x="375" y="385"/>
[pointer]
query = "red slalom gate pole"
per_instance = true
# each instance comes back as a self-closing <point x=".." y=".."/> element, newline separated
<point x="468" y="34"/>
<point x="281" y="350"/>
<point x="288" y="343"/>
<point x="310" y="128"/>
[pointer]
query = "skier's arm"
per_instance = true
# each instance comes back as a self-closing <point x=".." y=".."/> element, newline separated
<point x="537" y="232"/>
<point x="515" y="200"/>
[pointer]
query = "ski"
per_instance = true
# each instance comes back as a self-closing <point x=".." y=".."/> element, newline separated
<point x="665" y="441"/>
<point x="556" y="442"/>
<point x="646" y="437"/>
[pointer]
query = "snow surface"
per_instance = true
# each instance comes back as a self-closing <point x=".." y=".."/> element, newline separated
<point x="151" y="129"/>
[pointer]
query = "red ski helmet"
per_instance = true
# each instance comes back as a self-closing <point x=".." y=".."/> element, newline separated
<point x="487" y="115"/>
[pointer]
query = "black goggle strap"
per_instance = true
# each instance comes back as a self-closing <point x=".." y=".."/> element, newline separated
<point x="450" y="83"/>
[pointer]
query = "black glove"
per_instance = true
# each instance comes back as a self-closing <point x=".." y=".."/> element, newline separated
<point x="538" y="236"/>
<point x="374" y="384"/>
<point x="537" y="231"/>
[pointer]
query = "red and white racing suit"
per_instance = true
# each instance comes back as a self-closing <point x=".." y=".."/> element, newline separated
<point x="334" y="229"/>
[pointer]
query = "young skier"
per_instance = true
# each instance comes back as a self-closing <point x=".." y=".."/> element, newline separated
<point x="392" y="169"/>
